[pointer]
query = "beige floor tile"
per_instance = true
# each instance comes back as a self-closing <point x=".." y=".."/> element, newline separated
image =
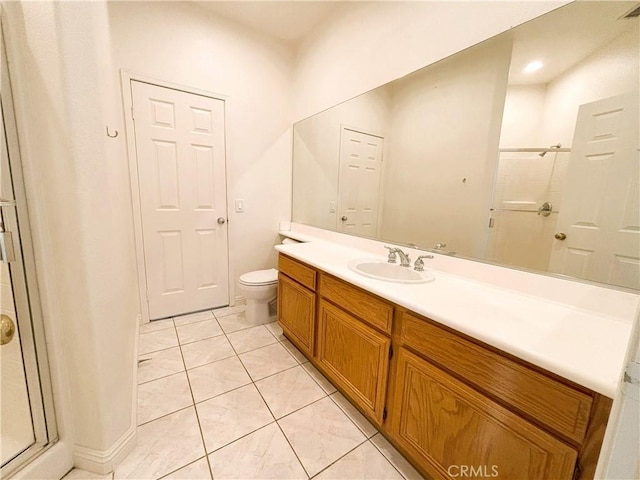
<point x="158" y="340"/>
<point x="396" y="459"/>
<point x="250" y="339"/>
<point x="276" y="330"/>
<point x="267" y="360"/>
<point x="163" y="396"/>
<point x="216" y="378"/>
<point x="234" y="322"/>
<point x="192" y="318"/>
<point x="288" y="391"/>
<point x="354" y="415"/>
<point x="232" y="415"/>
<point x="363" y="463"/>
<point x="156" y="325"/>
<point x="264" y="454"/>
<point x="198" y="470"/>
<point x="159" y="364"/>
<point x="326" y="385"/>
<point x="78" y="474"/>
<point x="192" y="332"/>
<point x="320" y="434"/>
<point x="293" y="350"/>
<point x="163" y="445"/>
<point x="206" y="351"/>
<point x="224" y="311"/>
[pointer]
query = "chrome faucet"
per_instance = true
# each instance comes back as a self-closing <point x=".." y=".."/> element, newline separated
<point x="419" y="265"/>
<point x="440" y="246"/>
<point x="405" y="261"/>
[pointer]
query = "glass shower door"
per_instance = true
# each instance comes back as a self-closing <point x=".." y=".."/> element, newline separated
<point x="27" y="423"/>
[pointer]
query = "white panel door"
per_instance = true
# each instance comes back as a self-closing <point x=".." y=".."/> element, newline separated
<point x="600" y="212"/>
<point x="359" y="182"/>
<point x="181" y="174"/>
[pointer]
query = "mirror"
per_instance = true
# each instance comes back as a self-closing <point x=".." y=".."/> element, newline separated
<point x="520" y="151"/>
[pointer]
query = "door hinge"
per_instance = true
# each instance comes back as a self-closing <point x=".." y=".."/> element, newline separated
<point x="384" y="414"/>
<point x="7" y="253"/>
<point x="491" y="222"/>
<point x="390" y="352"/>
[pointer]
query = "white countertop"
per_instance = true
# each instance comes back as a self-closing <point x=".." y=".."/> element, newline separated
<point x="586" y="347"/>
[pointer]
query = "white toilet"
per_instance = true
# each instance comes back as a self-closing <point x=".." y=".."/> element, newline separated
<point x="259" y="288"/>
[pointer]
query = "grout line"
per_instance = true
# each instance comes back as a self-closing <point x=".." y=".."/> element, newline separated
<point x="349" y="416"/>
<point x="199" y="339"/>
<point x="341" y="457"/>
<point x="204" y="445"/>
<point x="174" y="471"/>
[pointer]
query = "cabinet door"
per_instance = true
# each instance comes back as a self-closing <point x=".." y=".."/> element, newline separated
<point x="296" y="313"/>
<point x="355" y="356"/>
<point x="453" y="431"/>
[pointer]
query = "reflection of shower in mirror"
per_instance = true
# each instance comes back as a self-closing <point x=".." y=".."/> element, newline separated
<point x="551" y="148"/>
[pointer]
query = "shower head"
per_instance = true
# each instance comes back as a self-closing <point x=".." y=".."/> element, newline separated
<point x="557" y="145"/>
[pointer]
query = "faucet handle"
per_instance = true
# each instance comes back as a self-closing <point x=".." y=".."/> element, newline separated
<point x="392" y="254"/>
<point x="419" y="264"/>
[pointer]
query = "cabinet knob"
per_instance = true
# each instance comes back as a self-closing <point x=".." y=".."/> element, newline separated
<point x="560" y="236"/>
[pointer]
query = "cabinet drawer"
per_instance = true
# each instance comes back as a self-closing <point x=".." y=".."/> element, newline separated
<point x="446" y="425"/>
<point x="370" y="309"/>
<point x="535" y="395"/>
<point x="300" y="272"/>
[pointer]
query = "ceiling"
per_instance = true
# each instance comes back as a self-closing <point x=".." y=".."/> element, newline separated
<point x="558" y="40"/>
<point x="290" y="21"/>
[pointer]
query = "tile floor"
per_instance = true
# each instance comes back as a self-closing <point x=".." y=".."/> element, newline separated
<point x="221" y="398"/>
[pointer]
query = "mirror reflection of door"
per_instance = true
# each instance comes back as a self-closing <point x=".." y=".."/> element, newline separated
<point x="600" y="213"/>
<point x="359" y="182"/>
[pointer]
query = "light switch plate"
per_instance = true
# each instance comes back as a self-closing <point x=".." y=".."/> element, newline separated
<point x="239" y="205"/>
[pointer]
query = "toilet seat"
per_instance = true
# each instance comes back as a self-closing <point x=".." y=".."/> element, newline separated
<point x="260" y="277"/>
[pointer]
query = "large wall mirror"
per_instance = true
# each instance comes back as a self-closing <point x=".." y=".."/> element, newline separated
<point x="522" y="151"/>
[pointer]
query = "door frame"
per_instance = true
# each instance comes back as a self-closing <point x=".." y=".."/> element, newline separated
<point x="126" y="77"/>
<point x="373" y="133"/>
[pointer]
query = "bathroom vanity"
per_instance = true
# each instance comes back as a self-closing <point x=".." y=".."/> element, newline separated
<point x="515" y="401"/>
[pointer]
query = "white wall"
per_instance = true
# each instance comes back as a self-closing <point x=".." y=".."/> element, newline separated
<point x="522" y="118"/>
<point x="611" y="70"/>
<point x="78" y="198"/>
<point x="182" y="43"/>
<point x="317" y="150"/>
<point x="445" y="128"/>
<point x="368" y="44"/>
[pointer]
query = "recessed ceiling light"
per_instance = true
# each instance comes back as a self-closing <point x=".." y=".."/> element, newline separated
<point x="533" y="66"/>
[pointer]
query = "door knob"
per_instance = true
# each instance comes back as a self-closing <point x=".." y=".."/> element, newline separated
<point x="7" y="329"/>
<point x="343" y="218"/>
<point x="221" y="220"/>
<point x="560" y="236"/>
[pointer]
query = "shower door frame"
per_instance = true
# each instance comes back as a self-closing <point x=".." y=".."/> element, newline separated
<point x="25" y="290"/>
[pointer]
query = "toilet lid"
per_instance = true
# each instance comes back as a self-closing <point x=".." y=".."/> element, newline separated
<point x="259" y="277"/>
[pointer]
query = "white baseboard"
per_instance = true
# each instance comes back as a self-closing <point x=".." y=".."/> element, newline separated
<point x="105" y="461"/>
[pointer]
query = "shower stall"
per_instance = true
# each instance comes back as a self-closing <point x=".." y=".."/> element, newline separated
<point x="526" y="201"/>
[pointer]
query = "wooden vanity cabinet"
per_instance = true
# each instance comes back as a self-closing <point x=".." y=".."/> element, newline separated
<point x="446" y="425"/>
<point x="297" y="302"/>
<point x="454" y="406"/>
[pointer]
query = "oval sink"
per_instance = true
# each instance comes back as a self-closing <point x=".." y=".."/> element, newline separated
<point x="389" y="272"/>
